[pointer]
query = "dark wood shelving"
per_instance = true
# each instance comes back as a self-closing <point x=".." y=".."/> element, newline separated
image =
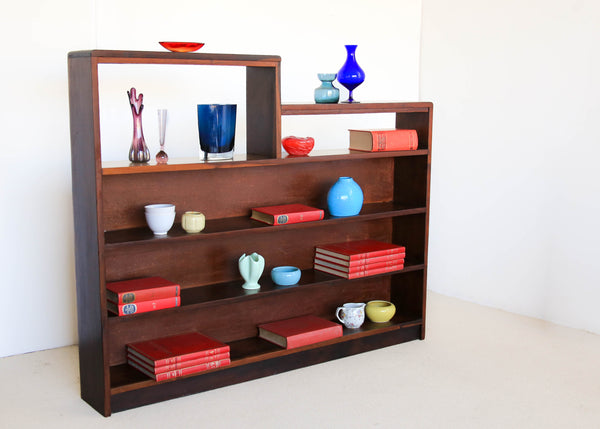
<point x="219" y="227"/>
<point x="337" y="109"/>
<point x="249" y="350"/>
<point x="196" y="297"/>
<point x="113" y="243"/>
<point x="110" y="168"/>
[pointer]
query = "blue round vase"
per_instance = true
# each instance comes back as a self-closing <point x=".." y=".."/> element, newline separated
<point x="345" y="198"/>
<point x="351" y="75"/>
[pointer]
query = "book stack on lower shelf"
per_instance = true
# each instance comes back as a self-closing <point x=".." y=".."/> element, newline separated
<point x="178" y="355"/>
<point x="141" y="295"/>
<point x="359" y="258"/>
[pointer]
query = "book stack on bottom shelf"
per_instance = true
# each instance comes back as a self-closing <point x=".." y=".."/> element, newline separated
<point x="141" y="295"/>
<point x="359" y="258"/>
<point x="171" y="357"/>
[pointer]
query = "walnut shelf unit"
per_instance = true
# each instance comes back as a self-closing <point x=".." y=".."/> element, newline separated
<point x="110" y="233"/>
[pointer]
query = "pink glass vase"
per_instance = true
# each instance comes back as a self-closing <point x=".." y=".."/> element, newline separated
<point x="138" y="152"/>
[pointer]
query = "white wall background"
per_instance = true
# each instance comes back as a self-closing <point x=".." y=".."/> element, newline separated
<point x="516" y="183"/>
<point x="36" y="238"/>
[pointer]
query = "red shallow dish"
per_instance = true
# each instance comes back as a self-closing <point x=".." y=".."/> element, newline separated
<point x="181" y="46"/>
<point x="298" y="146"/>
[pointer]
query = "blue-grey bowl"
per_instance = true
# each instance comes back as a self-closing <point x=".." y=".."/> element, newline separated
<point x="285" y="275"/>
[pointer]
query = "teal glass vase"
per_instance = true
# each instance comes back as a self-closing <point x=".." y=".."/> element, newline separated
<point x="327" y="93"/>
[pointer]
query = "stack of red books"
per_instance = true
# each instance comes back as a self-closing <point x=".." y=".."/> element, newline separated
<point x="141" y="295"/>
<point x="360" y="258"/>
<point x="178" y="355"/>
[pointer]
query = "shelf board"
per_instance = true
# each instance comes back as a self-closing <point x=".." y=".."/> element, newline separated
<point x="216" y="228"/>
<point x="193" y="297"/>
<point x="351" y="108"/>
<point x="243" y="352"/>
<point x="110" y="168"/>
<point x="166" y="57"/>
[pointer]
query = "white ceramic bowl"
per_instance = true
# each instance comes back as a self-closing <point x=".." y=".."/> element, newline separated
<point x="160" y="222"/>
<point x="159" y="208"/>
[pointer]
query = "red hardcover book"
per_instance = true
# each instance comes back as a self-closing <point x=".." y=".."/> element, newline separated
<point x="144" y="289"/>
<point x="359" y="268"/>
<point x="299" y="331"/>
<point x="389" y="259"/>
<point x="178" y="348"/>
<point x="287" y="213"/>
<point x="149" y="365"/>
<point x="359" y="249"/>
<point x="142" y="306"/>
<point x="183" y="371"/>
<point x="358" y="274"/>
<point x="383" y="140"/>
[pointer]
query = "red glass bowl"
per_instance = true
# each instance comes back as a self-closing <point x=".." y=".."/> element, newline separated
<point x="181" y="46"/>
<point x="298" y="146"/>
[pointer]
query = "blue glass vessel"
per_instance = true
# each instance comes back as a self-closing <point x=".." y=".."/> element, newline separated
<point x="351" y="75"/>
<point x="345" y="198"/>
<point x="327" y="93"/>
<point x="216" y="128"/>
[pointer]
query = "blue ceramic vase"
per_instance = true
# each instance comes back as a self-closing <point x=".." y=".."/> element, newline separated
<point x="327" y="93"/>
<point x="351" y="75"/>
<point x="345" y="198"/>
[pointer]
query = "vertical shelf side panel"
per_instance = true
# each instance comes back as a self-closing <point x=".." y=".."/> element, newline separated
<point x="419" y="187"/>
<point x="263" y="111"/>
<point x="420" y="121"/>
<point x="84" y="154"/>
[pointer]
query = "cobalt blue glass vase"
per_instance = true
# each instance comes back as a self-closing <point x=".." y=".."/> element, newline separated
<point x="345" y="198"/>
<point x="216" y="128"/>
<point x="351" y="75"/>
<point x="327" y="93"/>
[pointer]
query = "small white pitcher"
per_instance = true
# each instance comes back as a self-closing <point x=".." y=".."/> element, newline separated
<point x="351" y="314"/>
<point x="251" y="268"/>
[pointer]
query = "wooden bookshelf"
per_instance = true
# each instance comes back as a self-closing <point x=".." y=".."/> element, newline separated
<point x="113" y="243"/>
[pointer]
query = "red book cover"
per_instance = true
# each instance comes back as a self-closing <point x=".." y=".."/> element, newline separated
<point x="144" y="289"/>
<point x="287" y="213"/>
<point x="359" y="268"/>
<point x="149" y="365"/>
<point x="359" y="249"/>
<point x="183" y="371"/>
<point x="383" y="140"/>
<point x="178" y="348"/>
<point x="299" y="331"/>
<point x="142" y="306"/>
<point x="357" y="274"/>
<point x="389" y="259"/>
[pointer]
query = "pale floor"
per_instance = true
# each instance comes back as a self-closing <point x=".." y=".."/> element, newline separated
<point x="478" y="368"/>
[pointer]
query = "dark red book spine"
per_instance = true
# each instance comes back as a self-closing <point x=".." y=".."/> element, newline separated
<point x="361" y="267"/>
<point x="142" y="289"/>
<point x="357" y="262"/>
<point x="181" y="358"/>
<point x="286" y="214"/>
<point x="357" y="274"/>
<point x="135" y="358"/>
<point x="143" y="306"/>
<point x="143" y="295"/>
<point x="183" y="371"/>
